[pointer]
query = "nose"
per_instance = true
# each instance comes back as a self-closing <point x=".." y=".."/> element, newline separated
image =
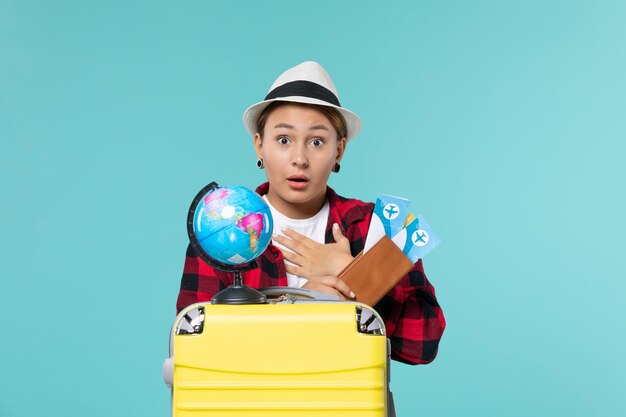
<point x="299" y="157"/>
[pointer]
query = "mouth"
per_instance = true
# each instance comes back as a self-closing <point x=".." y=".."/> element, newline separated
<point x="298" y="181"/>
<point x="298" y="178"/>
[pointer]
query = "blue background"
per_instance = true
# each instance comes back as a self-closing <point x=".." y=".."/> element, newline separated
<point x="503" y="122"/>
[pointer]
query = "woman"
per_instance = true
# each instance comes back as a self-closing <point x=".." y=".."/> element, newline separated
<point x="300" y="134"/>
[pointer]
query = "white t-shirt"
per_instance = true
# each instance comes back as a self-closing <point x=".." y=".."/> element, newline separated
<point x="313" y="227"/>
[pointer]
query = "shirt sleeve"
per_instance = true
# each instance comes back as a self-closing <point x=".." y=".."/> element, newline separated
<point x="200" y="281"/>
<point x="413" y="318"/>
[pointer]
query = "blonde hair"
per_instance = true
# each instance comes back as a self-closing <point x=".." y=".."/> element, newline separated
<point x="334" y="117"/>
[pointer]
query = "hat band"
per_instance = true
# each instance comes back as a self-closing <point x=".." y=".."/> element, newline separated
<point x="303" y="89"/>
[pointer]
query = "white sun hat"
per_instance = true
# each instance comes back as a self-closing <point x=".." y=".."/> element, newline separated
<point x="306" y="83"/>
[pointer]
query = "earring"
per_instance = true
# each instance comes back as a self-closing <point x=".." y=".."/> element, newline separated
<point x="336" y="168"/>
<point x="260" y="164"/>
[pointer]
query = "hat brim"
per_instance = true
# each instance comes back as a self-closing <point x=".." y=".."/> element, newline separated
<point x="252" y="113"/>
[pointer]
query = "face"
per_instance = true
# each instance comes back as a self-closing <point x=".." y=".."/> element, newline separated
<point x="299" y="148"/>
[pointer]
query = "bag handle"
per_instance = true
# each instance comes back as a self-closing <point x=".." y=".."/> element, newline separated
<point x="302" y="292"/>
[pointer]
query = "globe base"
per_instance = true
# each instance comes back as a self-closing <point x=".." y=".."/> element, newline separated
<point x="239" y="294"/>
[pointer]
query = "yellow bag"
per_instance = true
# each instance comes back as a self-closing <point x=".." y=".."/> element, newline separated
<point x="292" y="357"/>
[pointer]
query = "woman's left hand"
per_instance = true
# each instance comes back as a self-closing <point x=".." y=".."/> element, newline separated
<point x="312" y="258"/>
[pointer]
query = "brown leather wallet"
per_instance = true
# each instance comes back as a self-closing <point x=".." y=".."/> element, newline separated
<point x="372" y="275"/>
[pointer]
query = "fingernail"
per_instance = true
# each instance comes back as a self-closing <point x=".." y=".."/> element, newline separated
<point x="352" y="294"/>
<point x="335" y="225"/>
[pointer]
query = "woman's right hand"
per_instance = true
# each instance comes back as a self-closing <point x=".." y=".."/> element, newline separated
<point x="331" y="285"/>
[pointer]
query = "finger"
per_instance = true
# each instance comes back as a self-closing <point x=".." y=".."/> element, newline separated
<point x="332" y="290"/>
<point x="341" y="240"/>
<point x="323" y="288"/>
<point x="339" y="285"/>
<point x="290" y="243"/>
<point x="294" y="270"/>
<point x="294" y="258"/>
<point x="337" y="233"/>
<point x="301" y="239"/>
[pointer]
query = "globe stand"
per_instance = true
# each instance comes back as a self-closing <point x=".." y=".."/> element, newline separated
<point x="239" y="293"/>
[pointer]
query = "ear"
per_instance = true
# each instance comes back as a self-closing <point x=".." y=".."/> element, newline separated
<point x="258" y="145"/>
<point x="341" y="148"/>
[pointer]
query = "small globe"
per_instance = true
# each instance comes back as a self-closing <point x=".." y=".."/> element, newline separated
<point x="233" y="225"/>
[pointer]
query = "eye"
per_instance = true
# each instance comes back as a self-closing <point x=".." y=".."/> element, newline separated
<point x="317" y="142"/>
<point x="283" y="140"/>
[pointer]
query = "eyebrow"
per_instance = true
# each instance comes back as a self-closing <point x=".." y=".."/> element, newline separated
<point x="288" y="126"/>
<point x="285" y="125"/>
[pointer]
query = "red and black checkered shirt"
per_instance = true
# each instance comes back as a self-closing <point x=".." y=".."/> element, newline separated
<point x="413" y="319"/>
